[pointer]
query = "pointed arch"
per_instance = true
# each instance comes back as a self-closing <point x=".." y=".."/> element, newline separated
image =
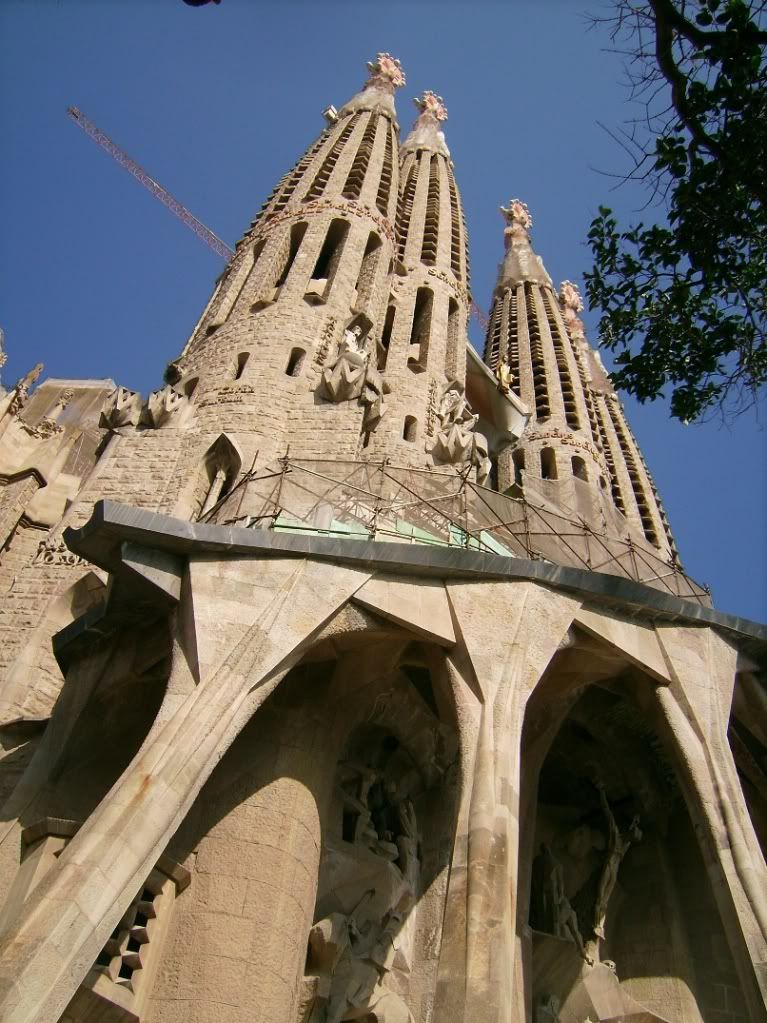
<point x="220" y="468"/>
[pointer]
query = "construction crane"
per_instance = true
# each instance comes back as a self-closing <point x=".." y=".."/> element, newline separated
<point x="150" y="184"/>
<point x="174" y="205"/>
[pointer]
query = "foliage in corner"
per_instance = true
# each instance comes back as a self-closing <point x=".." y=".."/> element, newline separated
<point x="685" y="303"/>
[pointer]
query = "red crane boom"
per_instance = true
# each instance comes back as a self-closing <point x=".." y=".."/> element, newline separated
<point x="149" y="183"/>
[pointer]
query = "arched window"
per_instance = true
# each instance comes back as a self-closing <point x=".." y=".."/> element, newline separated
<point x="295" y="362"/>
<point x="579" y="468"/>
<point x="420" y="331"/>
<point x="328" y="261"/>
<point x="220" y="468"/>
<point x="548" y="464"/>
<point x="410" y="429"/>
<point x="453" y="339"/>
<point x="367" y="274"/>
<point x="288" y="257"/>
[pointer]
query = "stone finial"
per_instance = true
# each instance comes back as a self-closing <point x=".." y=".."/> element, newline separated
<point x="386" y="71"/>
<point x="516" y="214"/>
<point x="570" y="297"/>
<point x="431" y="103"/>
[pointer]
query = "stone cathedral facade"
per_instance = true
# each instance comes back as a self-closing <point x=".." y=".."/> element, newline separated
<point x="352" y="676"/>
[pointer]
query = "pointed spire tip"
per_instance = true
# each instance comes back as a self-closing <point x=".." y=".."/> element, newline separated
<point x="430" y="103"/>
<point x="386" y="70"/>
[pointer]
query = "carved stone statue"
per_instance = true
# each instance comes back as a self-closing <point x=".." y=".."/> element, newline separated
<point x="457" y="440"/>
<point x="504" y="376"/>
<point x="617" y="847"/>
<point x="122" y="408"/>
<point x="352" y="375"/>
<point x="344" y="378"/>
<point x="21" y="390"/>
<point x="564" y="920"/>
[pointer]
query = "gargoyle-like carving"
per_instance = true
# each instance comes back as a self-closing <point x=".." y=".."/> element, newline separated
<point x="351" y="375"/>
<point x="122" y="408"/>
<point x="457" y="438"/>
<point x="161" y="405"/>
<point x="21" y="390"/>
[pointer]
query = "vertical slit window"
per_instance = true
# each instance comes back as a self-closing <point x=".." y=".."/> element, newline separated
<point x="331" y="252"/>
<point x="637" y="485"/>
<point x="540" y="384"/>
<point x="579" y="468"/>
<point x="420" y="331"/>
<point x="453" y="339"/>
<point x="410" y="429"/>
<point x="287" y="186"/>
<point x="493" y="348"/>
<point x="455" y="226"/>
<point x="368" y="268"/>
<point x="607" y="451"/>
<point x="566" y="381"/>
<point x="383" y="347"/>
<point x="322" y="176"/>
<point x="405" y="211"/>
<point x="430" y="243"/>
<point x="242" y="361"/>
<point x="387" y="172"/>
<point x="295" y="238"/>
<point x="356" y="176"/>
<point x="518" y="458"/>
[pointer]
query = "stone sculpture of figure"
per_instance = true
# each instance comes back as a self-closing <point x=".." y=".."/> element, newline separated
<point x="617" y="847"/>
<point x="21" y="390"/>
<point x="457" y="440"/>
<point x="454" y="441"/>
<point x="344" y="378"/>
<point x="547" y="1010"/>
<point x="564" y="920"/>
<point x="504" y="377"/>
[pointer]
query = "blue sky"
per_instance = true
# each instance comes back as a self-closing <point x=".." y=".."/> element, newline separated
<point x="98" y="279"/>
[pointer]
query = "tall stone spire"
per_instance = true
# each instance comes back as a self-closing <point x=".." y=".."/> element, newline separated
<point x="424" y="340"/>
<point x="578" y="450"/>
<point x="314" y="266"/>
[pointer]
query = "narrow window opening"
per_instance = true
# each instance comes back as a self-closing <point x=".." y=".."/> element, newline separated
<point x="384" y="187"/>
<point x="420" y="330"/>
<point x="191" y="386"/>
<point x="518" y="458"/>
<point x="322" y="176"/>
<point x="242" y="361"/>
<point x="330" y="253"/>
<point x="383" y="346"/>
<point x="297" y="233"/>
<point x="410" y="428"/>
<point x="430" y="242"/>
<point x="356" y="177"/>
<point x="368" y="269"/>
<point x="548" y="464"/>
<point x="579" y="468"/>
<point x="295" y="362"/>
<point x="453" y="335"/>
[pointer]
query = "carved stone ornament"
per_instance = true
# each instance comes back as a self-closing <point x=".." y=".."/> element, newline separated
<point x="457" y="440"/>
<point x="46" y="428"/>
<point x="122" y="408"/>
<point x="516" y="214"/>
<point x="569" y="297"/>
<point x="160" y="406"/>
<point x="21" y="390"/>
<point x="431" y="103"/>
<point x="53" y="551"/>
<point x="386" y="70"/>
<point x="351" y="376"/>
